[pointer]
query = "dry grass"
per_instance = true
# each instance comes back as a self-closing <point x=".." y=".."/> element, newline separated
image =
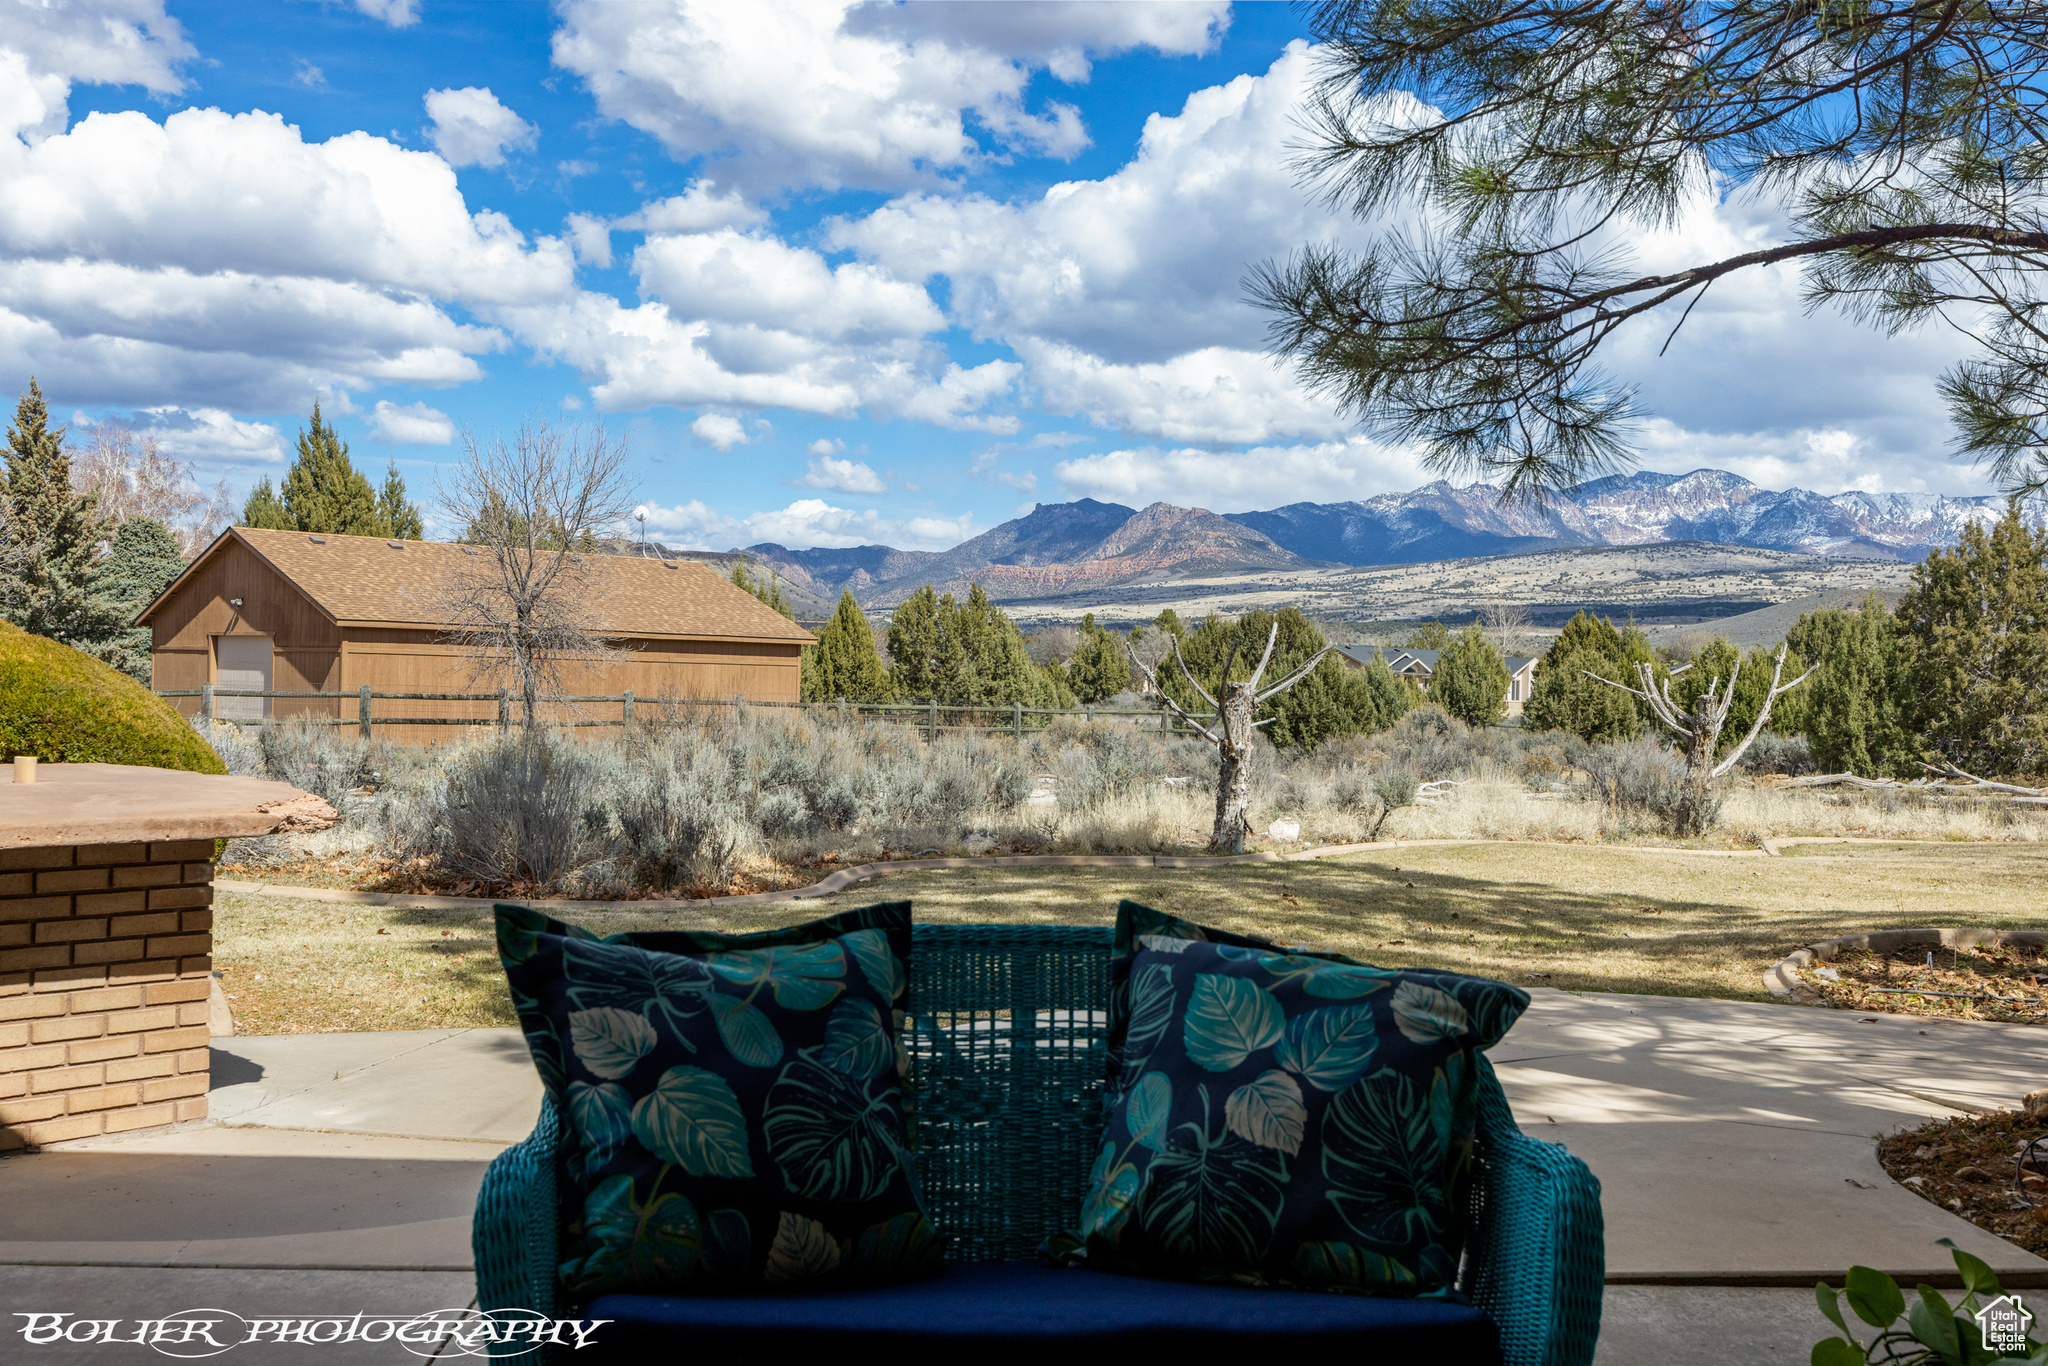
<point x="1585" y="918"/>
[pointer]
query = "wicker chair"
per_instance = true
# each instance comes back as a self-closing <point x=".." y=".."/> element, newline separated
<point x="1007" y="1044"/>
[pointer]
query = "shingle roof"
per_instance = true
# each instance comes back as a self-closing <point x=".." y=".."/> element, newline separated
<point x="369" y="580"/>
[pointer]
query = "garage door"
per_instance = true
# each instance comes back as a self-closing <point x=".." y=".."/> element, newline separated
<point x="241" y="662"/>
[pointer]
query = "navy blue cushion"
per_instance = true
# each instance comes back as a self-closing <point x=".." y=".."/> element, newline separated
<point x="1014" y="1311"/>
<point x="1285" y="1119"/>
<point x="733" y="1107"/>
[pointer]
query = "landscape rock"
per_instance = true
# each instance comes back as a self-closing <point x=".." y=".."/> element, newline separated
<point x="2035" y="1104"/>
<point x="298" y="814"/>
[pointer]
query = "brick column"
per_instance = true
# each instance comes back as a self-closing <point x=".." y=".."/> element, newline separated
<point x="105" y="969"/>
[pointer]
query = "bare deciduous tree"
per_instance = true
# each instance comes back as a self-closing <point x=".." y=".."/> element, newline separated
<point x="133" y="477"/>
<point x="1507" y="622"/>
<point x="1233" y="733"/>
<point x="1699" y="730"/>
<point x="522" y="602"/>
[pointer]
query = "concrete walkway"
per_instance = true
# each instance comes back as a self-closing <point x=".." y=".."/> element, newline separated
<point x="1733" y="1141"/>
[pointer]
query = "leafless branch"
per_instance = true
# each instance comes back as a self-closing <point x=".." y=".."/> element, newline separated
<point x="1167" y="697"/>
<point x="522" y="602"/>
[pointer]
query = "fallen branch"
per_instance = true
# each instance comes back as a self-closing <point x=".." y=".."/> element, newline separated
<point x="1977" y="784"/>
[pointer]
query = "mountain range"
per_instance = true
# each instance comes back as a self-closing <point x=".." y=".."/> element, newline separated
<point x="1060" y="548"/>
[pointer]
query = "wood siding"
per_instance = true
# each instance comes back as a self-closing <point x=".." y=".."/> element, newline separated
<point x="395" y="660"/>
<point x="305" y="645"/>
<point x="313" y="654"/>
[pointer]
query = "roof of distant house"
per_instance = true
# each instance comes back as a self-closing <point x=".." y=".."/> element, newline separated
<point x="368" y="581"/>
<point x="1416" y="661"/>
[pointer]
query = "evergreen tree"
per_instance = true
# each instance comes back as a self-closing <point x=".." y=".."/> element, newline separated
<point x="1471" y="680"/>
<point x="1431" y="635"/>
<point x="1565" y="698"/>
<point x="769" y="592"/>
<point x="398" y="518"/>
<point x="1855" y="713"/>
<point x="1976" y="627"/>
<point x="1168" y="621"/>
<point x="917" y="646"/>
<point x="144" y="559"/>
<point x="51" y="536"/>
<point x="1333" y="700"/>
<point x="265" y="511"/>
<point x="1393" y="696"/>
<point x="844" y="662"/>
<point x="323" y="492"/>
<point x="1100" y="669"/>
<point x="965" y="653"/>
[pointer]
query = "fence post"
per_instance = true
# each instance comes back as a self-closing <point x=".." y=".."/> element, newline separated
<point x="1017" y="719"/>
<point x="628" y="711"/>
<point x="504" y="711"/>
<point x="934" y="721"/>
<point x="206" y="704"/>
<point x="363" y="712"/>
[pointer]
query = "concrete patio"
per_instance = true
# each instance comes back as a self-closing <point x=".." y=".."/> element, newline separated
<point x="1733" y="1142"/>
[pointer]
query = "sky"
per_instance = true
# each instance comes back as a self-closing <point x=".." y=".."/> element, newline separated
<point x="838" y="273"/>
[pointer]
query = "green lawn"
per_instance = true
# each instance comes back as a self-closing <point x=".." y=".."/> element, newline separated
<point x="1594" y="918"/>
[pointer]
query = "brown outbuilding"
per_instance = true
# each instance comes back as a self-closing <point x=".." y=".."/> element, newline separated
<point x="285" y="611"/>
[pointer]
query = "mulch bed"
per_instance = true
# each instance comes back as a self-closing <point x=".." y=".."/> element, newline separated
<point x="1971" y="977"/>
<point x="1966" y="1167"/>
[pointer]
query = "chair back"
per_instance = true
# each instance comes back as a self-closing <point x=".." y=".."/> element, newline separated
<point x="1008" y="1040"/>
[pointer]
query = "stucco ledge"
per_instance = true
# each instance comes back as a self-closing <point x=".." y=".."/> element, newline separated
<point x="73" y="804"/>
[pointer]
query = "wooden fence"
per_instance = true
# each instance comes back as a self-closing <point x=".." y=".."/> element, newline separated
<point x="928" y="717"/>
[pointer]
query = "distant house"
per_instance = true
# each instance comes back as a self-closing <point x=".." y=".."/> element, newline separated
<point x="1420" y="665"/>
<point x="288" y="612"/>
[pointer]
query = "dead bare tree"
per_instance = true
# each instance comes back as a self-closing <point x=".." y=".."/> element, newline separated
<point x="1508" y="622"/>
<point x="522" y="601"/>
<point x="1699" y="730"/>
<point x="1233" y="733"/>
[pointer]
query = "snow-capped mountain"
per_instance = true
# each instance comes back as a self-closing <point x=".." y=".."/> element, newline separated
<point x="1062" y="547"/>
<point x="1714" y="505"/>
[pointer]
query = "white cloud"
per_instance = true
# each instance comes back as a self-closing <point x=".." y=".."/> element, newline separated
<point x="984" y="468"/>
<point x="592" y="238"/>
<point x="701" y="208"/>
<point x="721" y="430"/>
<point x="309" y="75"/>
<point x="786" y="93"/>
<point x="1143" y="264"/>
<point x="46" y="47"/>
<point x="826" y="445"/>
<point x="396" y="13"/>
<point x="413" y="425"/>
<point x="221" y="260"/>
<point x="1242" y="481"/>
<point x="210" y="438"/>
<point x="1058" y="34"/>
<point x="804" y="523"/>
<point x="725" y="276"/>
<point x="1214" y="396"/>
<point x="211" y="191"/>
<point x="108" y="333"/>
<point x="841" y="476"/>
<point x="471" y="128"/>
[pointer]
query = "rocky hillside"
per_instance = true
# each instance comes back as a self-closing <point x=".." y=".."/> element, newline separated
<point x="1064" y="548"/>
<point x="1056" y="548"/>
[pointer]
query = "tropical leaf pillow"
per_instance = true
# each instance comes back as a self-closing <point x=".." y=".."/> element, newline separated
<point x="732" y="1105"/>
<point x="1281" y="1117"/>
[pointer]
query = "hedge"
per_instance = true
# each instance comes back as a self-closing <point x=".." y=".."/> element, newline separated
<point x="68" y="708"/>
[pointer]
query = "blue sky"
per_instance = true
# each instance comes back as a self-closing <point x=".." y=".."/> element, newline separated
<point x="839" y="273"/>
